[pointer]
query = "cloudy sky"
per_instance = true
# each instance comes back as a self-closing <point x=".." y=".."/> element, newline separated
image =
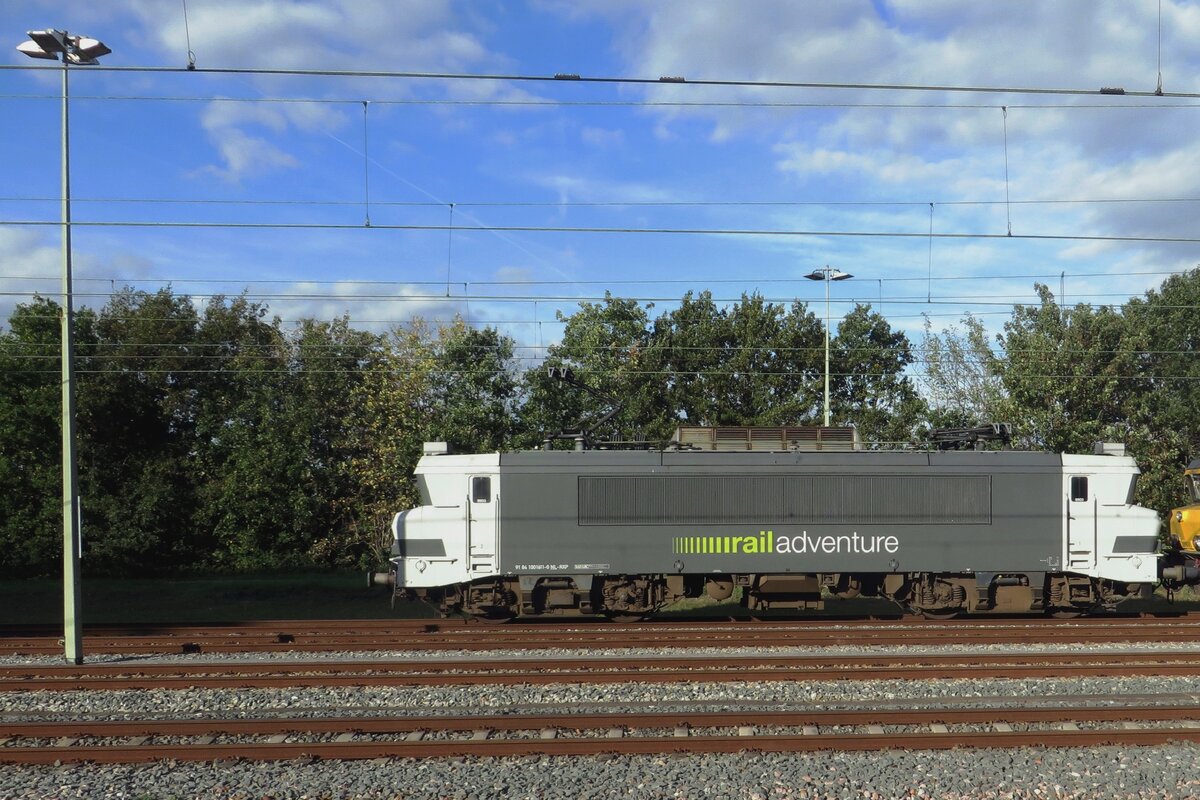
<point x="733" y="188"/>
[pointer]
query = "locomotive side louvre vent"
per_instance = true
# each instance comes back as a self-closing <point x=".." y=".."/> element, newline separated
<point x="743" y="437"/>
<point x="786" y="499"/>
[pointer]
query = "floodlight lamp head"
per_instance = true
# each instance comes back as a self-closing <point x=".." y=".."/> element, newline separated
<point x="48" y="44"/>
<point x="85" y="50"/>
<point x="816" y="275"/>
<point x="34" y="50"/>
<point x="838" y="275"/>
<point x="51" y="42"/>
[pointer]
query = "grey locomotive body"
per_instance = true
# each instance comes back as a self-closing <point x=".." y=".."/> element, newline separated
<point x="624" y="532"/>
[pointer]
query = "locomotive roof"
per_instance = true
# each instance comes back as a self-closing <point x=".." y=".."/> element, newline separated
<point x="710" y="458"/>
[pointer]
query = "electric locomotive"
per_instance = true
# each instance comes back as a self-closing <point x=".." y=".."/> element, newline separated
<point x="789" y="516"/>
<point x="1185" y="521"/>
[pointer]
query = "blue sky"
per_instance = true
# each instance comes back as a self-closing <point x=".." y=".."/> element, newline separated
<point x="566" y="154"/>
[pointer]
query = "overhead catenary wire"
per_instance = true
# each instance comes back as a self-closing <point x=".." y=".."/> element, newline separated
<point x="404" y="323"/>
<point x="451" y="228"/>
<point x="1158" y="89"/>
<point x="166" y="281"/>
<point x="889" y="86"/>
<point x="1007" y="199"/>
<point x="601" y="204"/>
<point x="991" y="299"/>
<point x="673" y="82"/>
<point x="625" y="103"/>
<point x="755" y="232"/>
<point x="929" y="294"/>
<point x="366" y="169"/>
<point x="349" y="351"/>
<point x="605" y="204"/>
<point x="187" y="33"/>
<point x="812" y="373"/>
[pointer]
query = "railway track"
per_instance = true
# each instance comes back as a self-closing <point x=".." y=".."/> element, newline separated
<point x="441" y="635"/>
<point x="589" y="734"/>
<point x="460" y="654"/>
<point x="592" y="670"/>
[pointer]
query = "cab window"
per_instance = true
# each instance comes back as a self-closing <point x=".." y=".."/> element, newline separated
<point x="1079" y="489"/>
<point x="481" y="490"/>
<point x="1193" y="485"/>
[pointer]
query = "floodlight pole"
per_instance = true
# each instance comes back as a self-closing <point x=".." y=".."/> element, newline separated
<point x="72" y="606"/>
<point x="56" y="45"/>
<point x="827" y="274"/>
<point x="827" y="348"/>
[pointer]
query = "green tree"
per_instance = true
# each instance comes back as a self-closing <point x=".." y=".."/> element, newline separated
<point x="31" y="437"/>
<point x="1163" y="337"/>
<point x="473" y="401"/>
<point x="136" y="430"/>
<point x="329" y="362"/>
<point x="871" y="388"/>
<point x="962" y="384"/>
<point x="255" y="510"/>
<point x="387" y="423"/>
<point x="756" y="363"/>
<point x="1066" y="372"/>
<point x="608" y="347"/>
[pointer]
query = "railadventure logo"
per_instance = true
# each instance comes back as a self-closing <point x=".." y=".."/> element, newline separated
<point x="768" y="542"/>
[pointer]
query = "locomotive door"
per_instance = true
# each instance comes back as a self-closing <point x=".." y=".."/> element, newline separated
<point x="1081" y="525"/>
<point x="482" y="516"/>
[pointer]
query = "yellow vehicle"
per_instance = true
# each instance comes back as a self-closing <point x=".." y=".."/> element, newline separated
<point x="1185" y="521"/>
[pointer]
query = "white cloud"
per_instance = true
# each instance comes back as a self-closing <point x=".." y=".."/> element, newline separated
<point x="245" y="154"/>
<point x="333" y="34"/>
<point x="889" y="167"/>
<point x="1071" y="43"/>
<point x="581" y="188"/>
<point x="602" y="137"/>
<point x="31" y="264"/>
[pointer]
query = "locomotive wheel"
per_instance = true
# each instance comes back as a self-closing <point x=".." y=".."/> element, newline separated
<point x="625" y="619"/>
<point x="493" y="618"/>
<point x="1067" y="613"/>
<point x="938" y="613"/>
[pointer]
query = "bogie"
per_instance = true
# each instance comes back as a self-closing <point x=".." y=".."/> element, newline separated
<point x="630" y="598"/>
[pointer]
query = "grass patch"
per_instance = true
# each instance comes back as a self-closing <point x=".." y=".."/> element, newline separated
<point x="206" y="599"/>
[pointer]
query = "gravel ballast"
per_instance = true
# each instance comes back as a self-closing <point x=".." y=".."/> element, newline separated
<point x="1102" y="772"/>
<point x="616" y="697"/>
<point x="1168" y="771"/>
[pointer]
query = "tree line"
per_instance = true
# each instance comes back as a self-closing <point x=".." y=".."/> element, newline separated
<point x="216" y="439"/>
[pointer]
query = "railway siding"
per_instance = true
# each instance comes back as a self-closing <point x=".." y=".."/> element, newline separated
<point x="587" y="699"/>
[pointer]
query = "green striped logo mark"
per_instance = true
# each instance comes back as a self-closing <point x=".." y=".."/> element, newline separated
<point x="764" y="542"/>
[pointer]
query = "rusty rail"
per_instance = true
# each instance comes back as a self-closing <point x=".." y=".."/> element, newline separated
<point x="612" y="734"/>
<point x="434" y="635"/>
<point x="424" y="672"/>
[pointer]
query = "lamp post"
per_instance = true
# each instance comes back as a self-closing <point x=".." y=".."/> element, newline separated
<point x="57" y="45"/>
<point x="827" y="274"/>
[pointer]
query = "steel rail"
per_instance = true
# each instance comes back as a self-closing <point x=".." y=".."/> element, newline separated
<point x="624" y="746"/>
<point x="504" y="671"/>
<point x="264" y="726"/>
<point x="286" y="643"/>
<point x="350" y="635"/>
<point x="437" y="625"/>
<point x="615" y="739"/>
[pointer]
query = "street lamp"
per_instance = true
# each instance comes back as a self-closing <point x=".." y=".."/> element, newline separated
<point x="57" y="45"/>
<point x="827" y="274"/>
